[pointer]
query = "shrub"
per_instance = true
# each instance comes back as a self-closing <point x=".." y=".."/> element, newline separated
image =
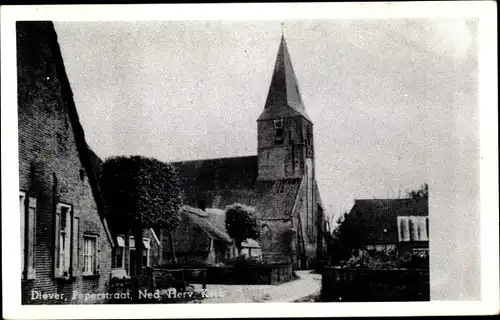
<point x="362" y="259"/>
<point x="414" y="261"/>
<point x="243" y="261"/>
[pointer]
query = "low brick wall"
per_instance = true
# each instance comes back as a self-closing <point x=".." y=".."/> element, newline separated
<point x="251" y="274"/>
<point x="258" y="274"/>
<point x="360" y="285"/>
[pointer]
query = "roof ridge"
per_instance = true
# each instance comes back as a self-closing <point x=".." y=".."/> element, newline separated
<point x="212" y="159"/>
<point x="384" y="199"/>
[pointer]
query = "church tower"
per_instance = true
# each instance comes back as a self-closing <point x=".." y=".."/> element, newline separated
<point x="285" y="144"/>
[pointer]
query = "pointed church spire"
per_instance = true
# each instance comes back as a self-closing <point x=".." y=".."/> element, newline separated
<point x="283" y="99"/>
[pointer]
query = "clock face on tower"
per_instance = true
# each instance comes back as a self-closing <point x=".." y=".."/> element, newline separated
<point x="278" y="124"/>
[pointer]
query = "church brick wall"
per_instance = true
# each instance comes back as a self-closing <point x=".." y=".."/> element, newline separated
<point x="285" y="160"/>
<point x="305" y="224"/>
<point x="277" y="249"/>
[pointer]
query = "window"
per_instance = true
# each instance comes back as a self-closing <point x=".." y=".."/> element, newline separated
<point x="66" y="246"/>
<point x="89" y="254"/>
<point x="145" y="252"/>
<point x="422" y="229"/>
<point x="119" y="257"/>
<point x="412" y="228"/>
<point x="266" y="238"/>
<point x="403" y="229"/>
<point x="120" y="252"/>
<point x="279" y="131"/>
<point x="27" y="207"/>
<point x="64" y="240"/>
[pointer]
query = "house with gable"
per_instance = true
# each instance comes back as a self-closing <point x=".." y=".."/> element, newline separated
<point x="279" y="181"/>
<point x="66" y="244"/>
<point x="394" y="224"/>
<point x="202" y="237"/>
<point x="197" y="240"/>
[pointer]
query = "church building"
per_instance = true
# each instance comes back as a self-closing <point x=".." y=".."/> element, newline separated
<point x="279" y="182"/>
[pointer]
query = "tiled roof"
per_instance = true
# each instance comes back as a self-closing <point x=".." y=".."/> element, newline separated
<point x="34" y="33"/>
<point x="250" y="243"/>
<point x="217" y="217"/>
<point x="271" y="199"/>
<point x="392" y="207"/>
<point x="196" y="231"/>
<point x="198" y="176"/>
<point x="380" y="214"/>
<point x="225" y="181"/>
<point x="200" y="219"/>
<point x="96" y="162"/>
<point x="283" y="99"/>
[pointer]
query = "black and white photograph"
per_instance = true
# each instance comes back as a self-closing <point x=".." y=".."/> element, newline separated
<point x="166" y="162"/>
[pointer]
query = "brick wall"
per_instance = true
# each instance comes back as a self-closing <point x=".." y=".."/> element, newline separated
<point x="48" y="153"/>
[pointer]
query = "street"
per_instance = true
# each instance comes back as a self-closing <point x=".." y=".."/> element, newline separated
<point x="308" y="283"/>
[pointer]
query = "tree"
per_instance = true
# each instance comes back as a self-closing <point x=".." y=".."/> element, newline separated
<point x="140" y="193"/>
<point x="347" y="237"/>
<point x="241" y="223"/>
<point x="421" y="193"/>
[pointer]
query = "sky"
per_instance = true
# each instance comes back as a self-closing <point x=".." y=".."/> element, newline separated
<point x="393" y="102"/>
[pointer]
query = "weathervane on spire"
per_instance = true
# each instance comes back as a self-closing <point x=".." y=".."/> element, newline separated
<point x="282" y="31"/>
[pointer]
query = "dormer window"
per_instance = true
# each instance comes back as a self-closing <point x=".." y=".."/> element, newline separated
<point x="279" y="131"/>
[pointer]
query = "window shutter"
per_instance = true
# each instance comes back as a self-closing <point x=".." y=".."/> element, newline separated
<point x="406" y="229"/>
<point x="57" y="220"/>
<point x="413" y="228"/>
<point x="400" y="229"/>
<point x="75" y="255"/>
<point x="427" y="227"/>
<point x="22" y="210"/>
<point x="31" y="238"/>
<point x="97" y="256"/>
<point x="422" y="230"/>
